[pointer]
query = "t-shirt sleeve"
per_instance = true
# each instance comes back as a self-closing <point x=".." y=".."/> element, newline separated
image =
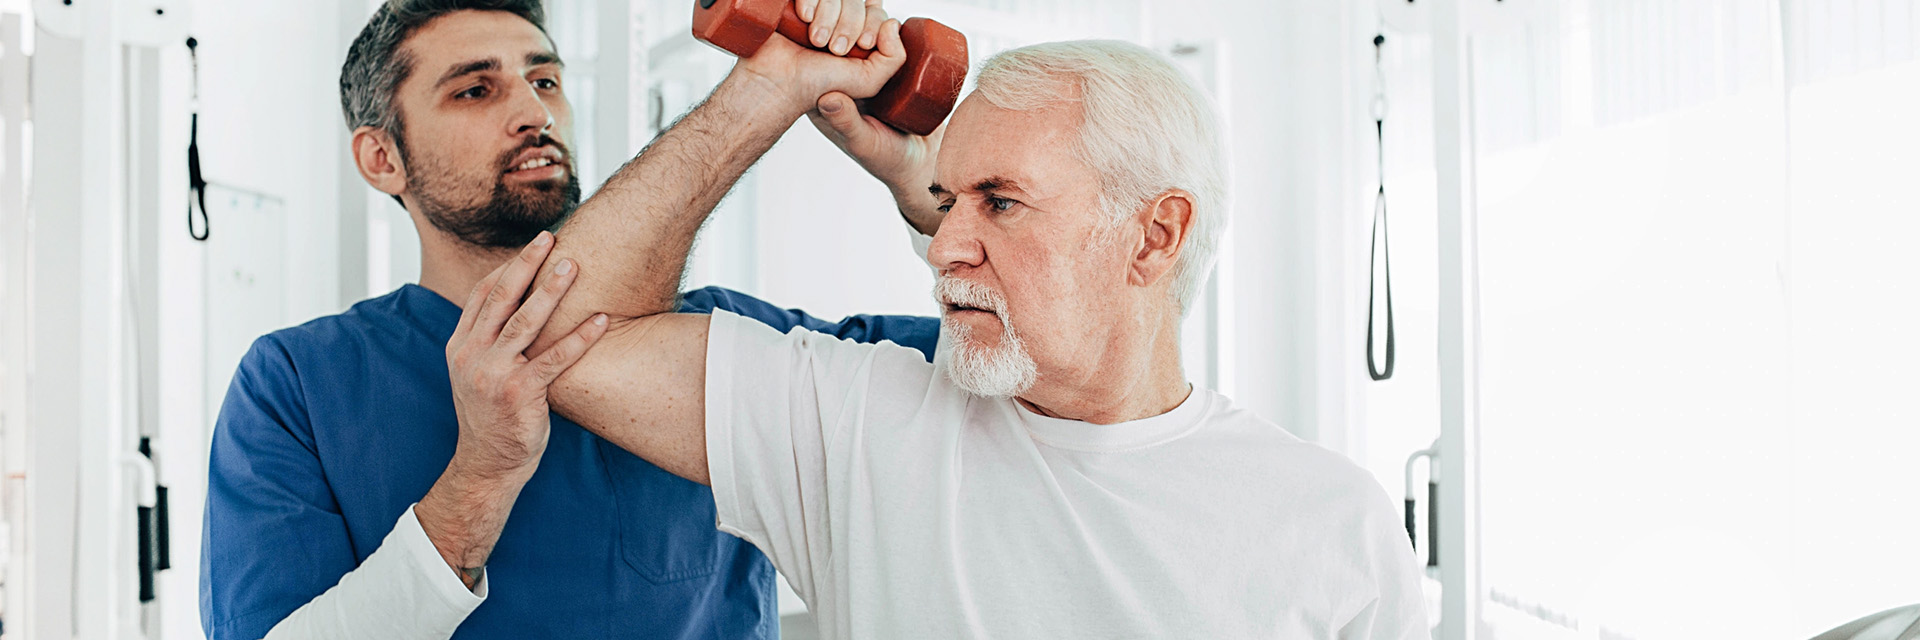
<point x="785" y="415"/>
<point x="274" y="537"/>
<point x="1399" y="610"/>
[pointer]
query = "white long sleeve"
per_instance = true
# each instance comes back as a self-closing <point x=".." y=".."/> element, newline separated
<point x="404" y="591"/>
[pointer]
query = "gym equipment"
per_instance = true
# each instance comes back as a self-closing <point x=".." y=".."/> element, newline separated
<point x="916" y="100"/>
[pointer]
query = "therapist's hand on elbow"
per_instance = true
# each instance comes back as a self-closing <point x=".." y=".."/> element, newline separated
<point x="500" y="392"/>
<point x="500" y="399"/>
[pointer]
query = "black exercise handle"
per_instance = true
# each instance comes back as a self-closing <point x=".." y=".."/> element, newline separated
<point x="144" y="516"/>
<point x="162" y="541"/>
<point x="1411" y="536"/>
<point x="1433" y="523"/>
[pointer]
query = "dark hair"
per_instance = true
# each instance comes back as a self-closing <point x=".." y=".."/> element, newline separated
<point x="376" y="65"/>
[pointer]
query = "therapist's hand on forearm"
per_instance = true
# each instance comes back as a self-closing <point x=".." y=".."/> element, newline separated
<point x="500" y="397"/>
<point x="902" y="161"/>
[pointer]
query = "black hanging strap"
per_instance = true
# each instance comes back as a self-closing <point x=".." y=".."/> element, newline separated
<point x="196" y="183"/>
<point x="1377" y="240"/>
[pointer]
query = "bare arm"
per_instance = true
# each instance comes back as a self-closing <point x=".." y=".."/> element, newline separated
<point x="634" y="235"/>
<point x="643" y="387"/>
<point x="632" y="238"/>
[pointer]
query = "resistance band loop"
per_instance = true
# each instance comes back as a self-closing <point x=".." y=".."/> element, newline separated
<point x="1377" y="240"/>
<point x="196" y="183"/>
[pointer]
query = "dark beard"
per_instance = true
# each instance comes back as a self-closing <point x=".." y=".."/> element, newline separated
<point x="510" y="218"/>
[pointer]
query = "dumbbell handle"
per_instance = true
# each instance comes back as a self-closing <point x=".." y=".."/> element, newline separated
<point x="916" y="99"/>
<point x="795" y="29"/>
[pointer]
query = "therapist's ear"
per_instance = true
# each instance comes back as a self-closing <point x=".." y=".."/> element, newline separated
<point x="378" y="159"/>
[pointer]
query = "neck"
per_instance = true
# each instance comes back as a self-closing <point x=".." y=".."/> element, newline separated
<point x="1134" y="378"/>
<point x="450" y="267"/>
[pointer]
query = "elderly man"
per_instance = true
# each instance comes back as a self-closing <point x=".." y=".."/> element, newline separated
<point x="1052" y="473"/>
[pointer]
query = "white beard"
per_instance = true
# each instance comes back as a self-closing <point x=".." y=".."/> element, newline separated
<point x="1004" y="371"/>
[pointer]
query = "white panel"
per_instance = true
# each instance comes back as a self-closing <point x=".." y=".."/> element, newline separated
<point x="1854" y="276"/>
<point x="246" y="282"/>
<point x="14" y="247"/>
<point x="1692" y="411"/>
<point x="80" y="557"/>
<point x="154" y="23"/>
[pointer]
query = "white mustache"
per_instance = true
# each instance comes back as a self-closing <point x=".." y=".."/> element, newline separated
<point x="962" y="293"/>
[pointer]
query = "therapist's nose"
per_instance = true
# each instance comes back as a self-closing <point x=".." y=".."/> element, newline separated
<point x="531" y="114"/>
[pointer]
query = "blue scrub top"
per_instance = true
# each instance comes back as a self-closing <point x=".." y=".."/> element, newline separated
<point x="330" y="430"/>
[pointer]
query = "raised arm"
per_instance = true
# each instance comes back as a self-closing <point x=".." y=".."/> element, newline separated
<point x="642" y="386"/>
<point x="632" y="238"/>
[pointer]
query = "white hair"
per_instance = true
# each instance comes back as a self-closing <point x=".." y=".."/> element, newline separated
<point x="1003" y="371"/>
<point x="1145" y="129"/>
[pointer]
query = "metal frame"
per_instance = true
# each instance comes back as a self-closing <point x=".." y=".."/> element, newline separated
<point x="13" y="306"/>
<point x="1453" y="22"/>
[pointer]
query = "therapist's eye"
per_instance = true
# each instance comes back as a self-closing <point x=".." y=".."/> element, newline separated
<point x="475" y="92"/>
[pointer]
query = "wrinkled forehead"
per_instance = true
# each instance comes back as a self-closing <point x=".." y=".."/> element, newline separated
<point x="466" y="38"/>
<point x="985" y="143"/>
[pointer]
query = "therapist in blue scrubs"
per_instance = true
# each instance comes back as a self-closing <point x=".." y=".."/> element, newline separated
<point x="347" y="500"/>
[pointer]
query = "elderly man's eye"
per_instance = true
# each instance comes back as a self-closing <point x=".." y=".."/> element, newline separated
<point x="1000" y="204"/>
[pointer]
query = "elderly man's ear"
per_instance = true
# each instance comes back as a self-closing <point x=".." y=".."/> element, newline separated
<point x="1165" y="224"/>
<point x="379" y="160"/>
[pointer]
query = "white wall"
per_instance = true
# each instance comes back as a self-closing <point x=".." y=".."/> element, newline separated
<point x="1300" y="205"/>
<point x="270" y="124"/>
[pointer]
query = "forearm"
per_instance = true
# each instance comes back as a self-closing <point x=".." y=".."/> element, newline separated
<point x="632" y="238"/>
<point x="463" y="515"/>
<point x="401" y="592"/>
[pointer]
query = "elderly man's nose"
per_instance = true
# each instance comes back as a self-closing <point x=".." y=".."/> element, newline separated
<point x="956" y="245"/>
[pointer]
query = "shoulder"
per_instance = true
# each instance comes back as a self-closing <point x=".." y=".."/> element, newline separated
<point x="741" y="341"/>
<point x="1336" y="510"/>
<point x="276" y="369"/>
<point x="1308" y="477"/>
<point x="333" y="337"/>
<point x="749" y="332"/>
<point x="915" y="332"/>
<point x="373" y="315"/>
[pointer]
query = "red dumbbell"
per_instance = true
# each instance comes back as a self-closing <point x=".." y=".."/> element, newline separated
<point x="916" y="100"/>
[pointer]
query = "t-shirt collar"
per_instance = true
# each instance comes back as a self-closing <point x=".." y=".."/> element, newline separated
<point x="1109" y="438"/>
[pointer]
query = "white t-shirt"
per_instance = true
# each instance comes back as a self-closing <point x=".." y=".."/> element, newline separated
<point x="899" y="506"/>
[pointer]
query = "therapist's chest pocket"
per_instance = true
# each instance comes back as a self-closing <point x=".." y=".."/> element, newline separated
<point x="666" y="522"/>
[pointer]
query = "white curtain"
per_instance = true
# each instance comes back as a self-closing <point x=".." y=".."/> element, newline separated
<point x="1695" y="222"/>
